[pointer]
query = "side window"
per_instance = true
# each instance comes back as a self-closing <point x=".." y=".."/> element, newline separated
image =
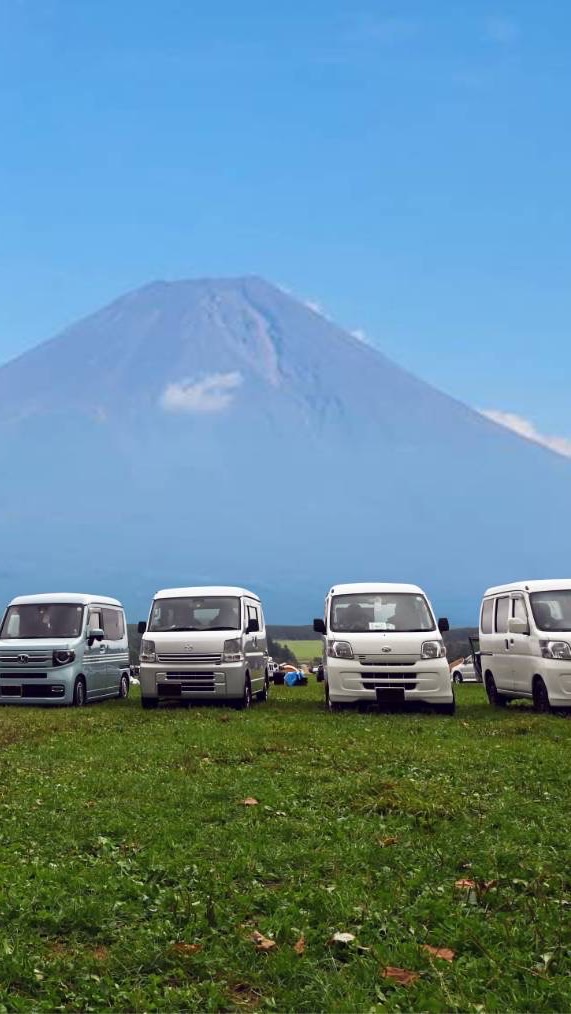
<point x="113" y="624"/>
<point x="487" y="613"/>
<point x="95" y="621"/>
<point x="253" y="614"/>
<point x="519" y="611"/>
<point x="502" y="613"/>
<point x="261" y="618"/>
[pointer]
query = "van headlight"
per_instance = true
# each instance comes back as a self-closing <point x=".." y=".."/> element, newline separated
<point x="232" y="651"/>
<point x="63" y="657"/>
<point x="433" y="649"/>
<point x="555" y="649"/>
<point x="147" y="653"/>
<point x="339" y="649"/>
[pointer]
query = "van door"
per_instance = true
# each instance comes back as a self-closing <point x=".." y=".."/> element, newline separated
<point x="252" y="648"/>
<point x="521" y="649"/>
<point x="116" y="656"/>
<point x="501" y="662"/>
<point x="94" y="656"/>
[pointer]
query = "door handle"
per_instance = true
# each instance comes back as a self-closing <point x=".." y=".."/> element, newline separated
<point x="101" y="648"/>
<point x="507" y="645"/>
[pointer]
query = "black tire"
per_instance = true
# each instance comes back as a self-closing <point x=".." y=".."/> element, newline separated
<point x="79" y="693"/>
<point x="496" y="699"/>
<point x="332" y="706"/>
<point x="446" y="709"/>
<point x="124" y="686"/>
<point x="244" y="703"/>
<point x="263" y="695"/>
<point x="149" y="703"/>
<point x="540" y="696"/>
<point x="457" y="677"/>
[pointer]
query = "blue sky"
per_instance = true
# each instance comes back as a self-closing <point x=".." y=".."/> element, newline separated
<point x="407" y="165"/>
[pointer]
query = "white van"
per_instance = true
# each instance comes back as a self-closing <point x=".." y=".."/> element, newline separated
<point x="204" y="644"/>
<point x="63" y="649"/>
<point x="383" y="645"/>
<point x="525" y="642"/>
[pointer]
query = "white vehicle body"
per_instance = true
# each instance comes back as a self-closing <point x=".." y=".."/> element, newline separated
<point x="204" y="643"/>
<point x="63" y="648"/>
<point x="382" y="644"/>
<point x="525" y="641"/>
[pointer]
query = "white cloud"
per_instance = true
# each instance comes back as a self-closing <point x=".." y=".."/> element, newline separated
<point x="502" y="30"/>
<point x="526" y="428"/>
<point x="360" y="335"/>
<point x="213" y="393"/>
<point x="315" y="305"/>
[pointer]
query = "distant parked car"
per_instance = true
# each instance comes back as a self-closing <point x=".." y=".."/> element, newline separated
<point x="463" y="671"/>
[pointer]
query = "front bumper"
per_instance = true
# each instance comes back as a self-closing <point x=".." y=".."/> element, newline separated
<point x="557" y="676"/>
<point x="49" y="687"/>
<point x="192" y="682"/>
<point x="427" y="680"/>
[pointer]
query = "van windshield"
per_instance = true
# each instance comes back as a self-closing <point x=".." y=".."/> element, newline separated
<point x="400" y="611"/>
<point x="41" y="620"/>
<point x="552" y="609"/>
<point x="194" y="613"/>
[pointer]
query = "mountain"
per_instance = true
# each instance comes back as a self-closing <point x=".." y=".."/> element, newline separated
<point x="218" y="430"/>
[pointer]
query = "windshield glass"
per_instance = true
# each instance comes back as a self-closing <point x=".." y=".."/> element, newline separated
<point x="368" y="612"/>
<point x="552" y="609"/>
<point x="194" y="613"/>
<point x="42" y="620"/>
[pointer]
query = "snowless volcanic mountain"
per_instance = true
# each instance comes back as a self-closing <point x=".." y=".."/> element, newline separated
<point x="220" y="431"/>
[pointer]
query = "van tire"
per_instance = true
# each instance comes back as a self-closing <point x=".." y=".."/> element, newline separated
<point x="446" y="709"/>
<point x="263" y="695"/>
<point x="149" y="703"/>
<point x="333" y="706"/>
<point x="244" y="703"/>
<point x="496" y="699"/>
<point x="540" y="696"/>
<point x="124" y="686"/>
<point x="79" y="693"/>
<point x="457" y="677"/>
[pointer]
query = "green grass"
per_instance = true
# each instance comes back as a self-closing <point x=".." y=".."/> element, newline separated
<point x="123" y="835"/>
<point x="305" y="651"/>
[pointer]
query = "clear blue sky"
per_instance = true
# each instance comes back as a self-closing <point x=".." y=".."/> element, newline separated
<point x="405" y="164"/>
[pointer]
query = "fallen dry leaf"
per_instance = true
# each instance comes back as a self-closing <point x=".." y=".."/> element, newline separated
<point x="391" y="840"/>
<point x="100" y="953"/>
<point x="440" y="952"/>
<point x="476" y="885"/>
<point x="182" y="948"/>
<point x="342" y="938"/>
<point x="262" y="943"/>
<point x="400" y="975"/>
<point x="299" y="947"/>
<point x="466" y="885"/>
<point x="249" y="801"/>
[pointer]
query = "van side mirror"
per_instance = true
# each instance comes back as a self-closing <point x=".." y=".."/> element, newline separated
<point x="443" y="625"/>
<point x="141" y="626"/>
<point x="253" y="626"/>
<point x="517" y="626"/>
<point x="94" y="634"/>
<point x="319" y="626"/>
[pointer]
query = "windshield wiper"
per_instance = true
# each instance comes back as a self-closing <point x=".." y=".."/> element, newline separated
<point x="222" y="628"/>
<point x="183" y="628"/>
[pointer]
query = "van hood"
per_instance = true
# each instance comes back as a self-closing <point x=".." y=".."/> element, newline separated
<point x="388" y="646"/>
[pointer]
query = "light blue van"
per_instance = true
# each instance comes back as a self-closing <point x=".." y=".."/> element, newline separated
<point x="63" y="649"/>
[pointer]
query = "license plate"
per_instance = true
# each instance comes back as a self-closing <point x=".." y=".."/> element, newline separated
<point x="390" y="695"/>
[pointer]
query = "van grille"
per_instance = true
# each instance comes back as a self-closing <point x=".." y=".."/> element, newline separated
<point x="32" y="657"/>
<point x="382" y="660"/>
<point x="189" y="657"/>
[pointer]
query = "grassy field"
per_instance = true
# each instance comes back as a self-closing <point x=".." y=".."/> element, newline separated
<point x="305" y="651"/>
<point x="133" y="876"/>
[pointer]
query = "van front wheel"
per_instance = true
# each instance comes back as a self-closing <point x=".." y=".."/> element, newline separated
<point x="245" y="702"/>
<point x="540" y="696"/>
<point x="123" y="686"/>
<point x="329" y="704"/>
<point x="79" y="693"/>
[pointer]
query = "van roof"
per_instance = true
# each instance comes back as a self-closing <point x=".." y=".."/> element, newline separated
<point x="203" y="590"/>
<point x="563" y="584"/>
<point x="374" y="586"/>
<point x="70" y="598"/>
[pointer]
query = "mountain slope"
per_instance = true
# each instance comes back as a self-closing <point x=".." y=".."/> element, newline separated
<point x="220" y="430"/>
